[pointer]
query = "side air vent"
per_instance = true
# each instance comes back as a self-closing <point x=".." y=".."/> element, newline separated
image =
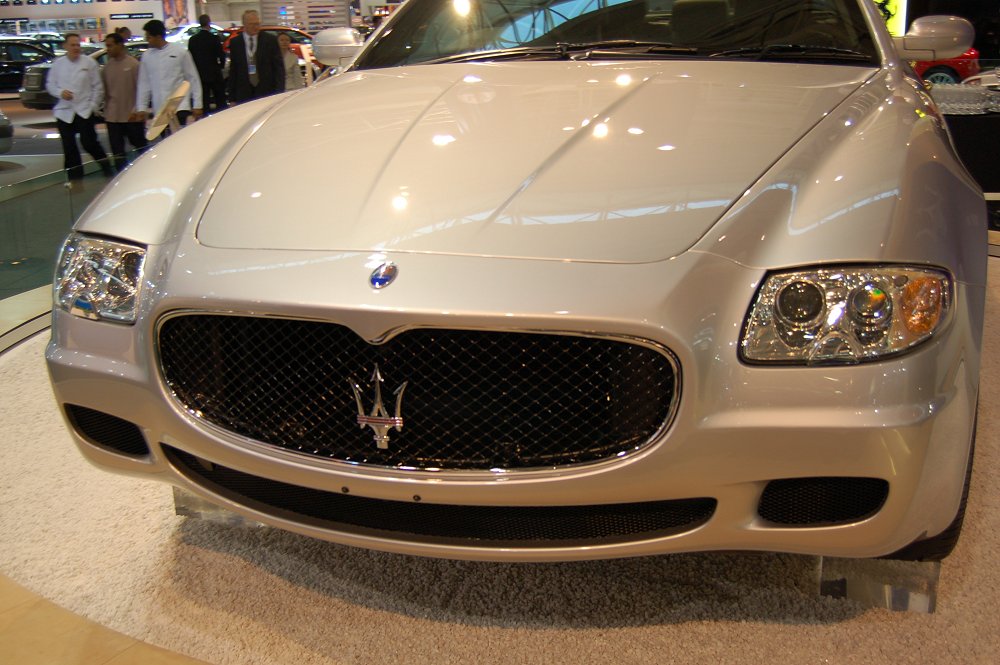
<point x="107" y="431"/>
<point x="812" y="502"/>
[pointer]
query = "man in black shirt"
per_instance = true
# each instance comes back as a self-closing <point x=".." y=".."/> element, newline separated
<point x="209" y="58"/>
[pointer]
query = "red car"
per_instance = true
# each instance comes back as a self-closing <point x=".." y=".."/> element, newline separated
<point x="953" y="70"/>
<point x="297" y="36"/>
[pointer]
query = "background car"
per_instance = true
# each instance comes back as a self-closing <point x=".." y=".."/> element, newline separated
<point x="182" y="33"/>
<point x="33" y="93"/>
<point x="47" y="36"/>
<point x="6" y="133"/>
<point x="54" y="44"/>
<point x="15" y="56"/>
<point x="950" y="70"/>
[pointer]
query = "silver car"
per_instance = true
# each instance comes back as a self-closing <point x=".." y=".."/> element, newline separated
<point x="553" y="280"/>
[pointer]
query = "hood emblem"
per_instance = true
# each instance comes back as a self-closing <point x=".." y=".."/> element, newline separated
<point x="383" y="276"/>
<point x="379" y="419"/>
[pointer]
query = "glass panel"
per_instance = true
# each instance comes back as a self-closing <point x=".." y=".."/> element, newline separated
<point x="35" y="216"/>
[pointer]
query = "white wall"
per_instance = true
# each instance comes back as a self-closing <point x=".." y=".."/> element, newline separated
<point x="84" y="12"/>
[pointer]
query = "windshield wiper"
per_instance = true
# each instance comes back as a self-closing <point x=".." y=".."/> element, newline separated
<point x="630" y="49"/>
<point x="795" y="52"/>
<point x="556" y="52"/>
<point x="627" y="48"/>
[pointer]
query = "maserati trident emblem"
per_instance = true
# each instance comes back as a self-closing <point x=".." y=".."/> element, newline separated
<point x="379" y="419"/>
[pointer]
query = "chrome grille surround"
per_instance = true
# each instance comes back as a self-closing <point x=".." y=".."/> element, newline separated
<point x="475" y="400"/>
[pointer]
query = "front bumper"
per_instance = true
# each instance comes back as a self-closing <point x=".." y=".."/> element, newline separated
<point x="906" y="421"/>
<point x="38" y="100"/>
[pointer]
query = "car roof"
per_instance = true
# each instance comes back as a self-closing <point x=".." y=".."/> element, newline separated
<point x="29" y="42"/>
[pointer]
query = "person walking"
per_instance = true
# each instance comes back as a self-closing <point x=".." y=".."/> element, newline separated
<point x="256" y="68"/>
<point x="120" y="76"/>
<point x="75" y="82"/>
<point x="164" y="66"/>
<point x="209" y="59"/>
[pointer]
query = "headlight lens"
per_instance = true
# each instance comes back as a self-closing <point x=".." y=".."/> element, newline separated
<point x="844" y="315"/>
<point x="99" y="279"/>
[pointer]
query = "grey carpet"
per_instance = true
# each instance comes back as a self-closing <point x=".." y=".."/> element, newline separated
<point x="111" y="549"/>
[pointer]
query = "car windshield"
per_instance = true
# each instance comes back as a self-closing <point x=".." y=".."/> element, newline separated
<point x="433" y="31"/>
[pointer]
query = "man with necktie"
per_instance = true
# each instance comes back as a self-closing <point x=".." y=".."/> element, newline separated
<point x="256" y="66"/>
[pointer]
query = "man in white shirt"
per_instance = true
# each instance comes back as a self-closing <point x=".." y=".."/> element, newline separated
<point x="75" y="82"/>
<point x="163" y="68"/>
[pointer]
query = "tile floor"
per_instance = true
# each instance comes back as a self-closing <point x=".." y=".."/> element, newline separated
<point x="34" y="631"/>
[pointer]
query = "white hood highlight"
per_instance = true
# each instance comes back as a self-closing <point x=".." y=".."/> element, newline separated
<point x="590" y="161"/>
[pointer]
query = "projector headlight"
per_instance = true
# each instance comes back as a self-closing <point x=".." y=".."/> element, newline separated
<point x="99" y="279"/>
<point x="844" y="315"/>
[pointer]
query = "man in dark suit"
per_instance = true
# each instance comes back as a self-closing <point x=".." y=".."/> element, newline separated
<point x="209" y="58"/>
<point x="256" y="67"/>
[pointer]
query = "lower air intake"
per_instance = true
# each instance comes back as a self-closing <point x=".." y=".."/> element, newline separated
<point x="812" y="502"/>
<point x="513" y="526"/>
<point x="107" y="431"/>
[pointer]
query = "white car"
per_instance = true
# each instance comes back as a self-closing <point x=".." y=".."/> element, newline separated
<point x="182" y="33"/>
<point x="553" y="280"/>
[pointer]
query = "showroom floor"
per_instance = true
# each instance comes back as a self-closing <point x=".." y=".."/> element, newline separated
<point x="34" y="631"/>
<point x="111" y="548"/>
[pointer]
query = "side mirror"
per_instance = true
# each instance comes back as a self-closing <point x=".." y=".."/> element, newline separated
<point x="936" y="38"/>
<point x="337" y="46"/>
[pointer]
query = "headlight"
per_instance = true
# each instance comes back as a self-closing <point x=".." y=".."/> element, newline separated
<point x="844" y="315"/>
<point x="99" y="279"/>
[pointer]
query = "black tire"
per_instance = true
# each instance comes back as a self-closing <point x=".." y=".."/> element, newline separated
<point x="941" y="545"/>
<point x="941" y="74"/>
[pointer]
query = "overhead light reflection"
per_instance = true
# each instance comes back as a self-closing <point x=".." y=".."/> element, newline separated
<point x="667" y="147"/>
<point x="462" y="7"/>
<point x="636" y="131"/>
<point x="600" y="130"/>
<point x="443" y="139"/>
<point x="399" y="202"/>
<point x="623" y="79"/>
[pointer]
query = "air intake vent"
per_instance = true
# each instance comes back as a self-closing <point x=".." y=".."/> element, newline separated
<point x="496" y="526"/>
<point x="812" y="502"/>
<point x="107" y="431"/>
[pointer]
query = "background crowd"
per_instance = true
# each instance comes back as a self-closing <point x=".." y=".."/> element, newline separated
<point x="127" y="92"/>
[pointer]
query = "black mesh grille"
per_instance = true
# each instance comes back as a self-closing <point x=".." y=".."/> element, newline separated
<point x="479" y="525"/>
<point x="473" y="399"/>
<point x="107" y="430"/>
<point x="821" y="501"/>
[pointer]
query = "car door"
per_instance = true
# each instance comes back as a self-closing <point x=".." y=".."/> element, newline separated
<point x="8" y="77"/>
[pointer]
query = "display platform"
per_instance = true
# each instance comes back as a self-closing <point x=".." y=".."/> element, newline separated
<point x="901" y="586"/>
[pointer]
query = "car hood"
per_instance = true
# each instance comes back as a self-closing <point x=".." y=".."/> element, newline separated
<point x="572" y="161"/>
